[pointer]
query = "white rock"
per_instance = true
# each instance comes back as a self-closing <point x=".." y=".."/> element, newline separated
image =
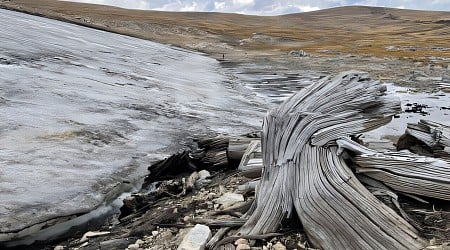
<point x="243" y="247"/>
<point x="203" y="179"/>
<point x="241" y="241"/>
<point x="133" y="247"/>
<point x="229" y="199"/>
<point x="91" y="234"/>
<point x="59" y="248"/>
<point x="139" y="242"/>
<point x="279" y="246"/>
<point x="196" y="238"/>
<point x="154" y="233"/>
<point x="190" y="181"/>
<point x="203" y="174"/>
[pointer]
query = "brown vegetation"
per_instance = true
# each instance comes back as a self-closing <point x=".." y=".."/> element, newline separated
<point x="406" y="34"/>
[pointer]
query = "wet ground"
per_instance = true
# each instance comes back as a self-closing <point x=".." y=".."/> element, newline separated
<point x="83" y="110"/>
<point x="433" y="105"/>
<point x="276" y="85"/>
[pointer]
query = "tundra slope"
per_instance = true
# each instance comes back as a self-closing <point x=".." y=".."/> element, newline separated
<point x="358" y="30"/>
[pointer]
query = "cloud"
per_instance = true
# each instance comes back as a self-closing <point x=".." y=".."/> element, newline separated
<point x="267" y="7"/>
<point x="139" y="4"/>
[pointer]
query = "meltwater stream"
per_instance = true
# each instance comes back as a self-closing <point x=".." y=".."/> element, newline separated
<point x="82" y="110"/>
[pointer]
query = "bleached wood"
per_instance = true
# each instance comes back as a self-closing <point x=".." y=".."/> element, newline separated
<point x="251" y="163"/>
<point x="403" y="171"/>
<point x="304" y="174"/>
<point x="435" y="135"/>
<point x="237" y="147"/>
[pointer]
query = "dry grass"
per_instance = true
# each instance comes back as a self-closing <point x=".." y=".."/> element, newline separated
<point x="355" y="30"/>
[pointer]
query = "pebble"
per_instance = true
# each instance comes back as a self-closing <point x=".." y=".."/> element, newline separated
<point x="190" y="182"/>
<point x="243" y="247"/>
<point x="241" y="241"/>
<point x="279" y="246"/>
<point x="154" y="233"/>
<point x="204" y="174"/>
<point x="59" y="248"/>
<point x="139" y="242"/>
<point x="133" y="247"/>
<point x="114" y="244"/>
<point x="229" y="199"/>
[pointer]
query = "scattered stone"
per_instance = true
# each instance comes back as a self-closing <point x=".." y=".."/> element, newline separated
<point x="139" y="242"/>
<point x="204" y="174"/>
<point x="133" y="247"/>
<point x="228" y="199"/>
<point x="241" y="241"/>
<point x="279" y="246"/>
<point x="92" y="234"/>
<point x="243" y="247"/>
<point x="203" y="179"/>
<point x="114" y="244"/>
<point x="190" y="182"/>
<point x="196" y="238"/>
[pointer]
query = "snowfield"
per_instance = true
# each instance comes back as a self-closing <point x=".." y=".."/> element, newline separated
<point x="82" y="110"/>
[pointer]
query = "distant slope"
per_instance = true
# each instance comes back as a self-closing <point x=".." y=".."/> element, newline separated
<point x="418" y="35"/>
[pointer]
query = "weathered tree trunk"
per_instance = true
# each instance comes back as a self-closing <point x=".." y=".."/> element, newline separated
<point x="304" y="174"/>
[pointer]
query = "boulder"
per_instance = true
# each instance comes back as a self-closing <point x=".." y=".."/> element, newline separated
<point x="229" y="199"/>
<point x="196" y="238"/>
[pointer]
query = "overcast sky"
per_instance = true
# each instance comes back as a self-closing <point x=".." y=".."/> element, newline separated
<point x="267" y="7"/>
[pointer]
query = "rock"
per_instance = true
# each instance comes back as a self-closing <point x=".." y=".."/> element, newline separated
<point x="243" y="247"/>
<point x="279" y="246"/>
<point x="154" y="233"/>
<point x="92" y="234"/>
<point x="229" y="199"/>
<point x="203" y="179"/>
<point x="192" y="179"/>
<point x="114" y="244"/>
<point x="202" y="183"/>
<point x="59" y="248"/>
<point x="139" y="242"/>
<point x="196" y="238"/>
<point x="241" y="241"/>
<point x="203" y="174"/>
<point x="133" y="247"/>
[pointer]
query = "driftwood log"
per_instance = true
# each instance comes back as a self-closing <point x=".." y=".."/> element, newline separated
<point x="303" y="172"/>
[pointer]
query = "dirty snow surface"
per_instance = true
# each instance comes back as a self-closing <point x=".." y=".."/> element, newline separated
<point x="81" y="110"/>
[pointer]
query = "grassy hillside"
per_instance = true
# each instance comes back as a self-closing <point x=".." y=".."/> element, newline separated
<point x="410" y="34"/>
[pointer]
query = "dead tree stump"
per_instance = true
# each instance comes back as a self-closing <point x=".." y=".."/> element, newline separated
<point x="304" y="174"/>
